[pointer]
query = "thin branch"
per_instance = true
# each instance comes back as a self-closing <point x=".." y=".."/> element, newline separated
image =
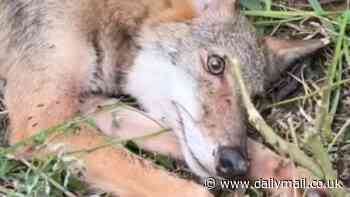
<point x="339" y="134"/>
<point x="279" y="144"/>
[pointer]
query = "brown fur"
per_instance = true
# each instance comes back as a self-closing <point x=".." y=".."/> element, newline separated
<point x="49" y="63"/>
<point x="264" y="163"/>
<point x="217" y="99"/>
<point x="66" y="61"/>
<point x="57" y="55"/>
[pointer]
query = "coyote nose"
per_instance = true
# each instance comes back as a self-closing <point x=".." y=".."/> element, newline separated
<point x="231" y="163"/>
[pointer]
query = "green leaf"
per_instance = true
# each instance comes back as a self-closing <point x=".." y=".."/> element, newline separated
<point x="346" y="15"/>
<point x="165" y="161"/>
<point x="347" y="134"/>
<point x="317" y="7"/>
<point x="92" y="122"/>
<point x="268" y="4"/>
<point x="252" y="4"/>
<point x="40" y="138"/>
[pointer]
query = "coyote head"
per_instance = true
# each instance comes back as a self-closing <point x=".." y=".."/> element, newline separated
<point x="181" y="77"/>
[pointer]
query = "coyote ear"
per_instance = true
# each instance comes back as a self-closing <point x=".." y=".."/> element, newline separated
<point x="223" y="8"/>
<point x="281" y="54"/>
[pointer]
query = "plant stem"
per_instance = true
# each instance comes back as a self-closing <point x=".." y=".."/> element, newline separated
<point x="280" y="145"/>
<point x="325" y="118"/>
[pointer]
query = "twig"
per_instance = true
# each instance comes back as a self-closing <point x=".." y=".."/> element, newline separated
<point x="340" y="133"/>
<point x="60" y="128"/>
<point x="267" y="132"/>
<point x="119" y="142"/>
<point x="312" y="94"/>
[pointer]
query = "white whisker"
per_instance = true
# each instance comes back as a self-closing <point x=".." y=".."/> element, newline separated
<point x="177" y="104"/>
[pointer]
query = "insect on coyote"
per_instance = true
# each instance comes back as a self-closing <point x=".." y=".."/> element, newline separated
<point x="59" y="57"/>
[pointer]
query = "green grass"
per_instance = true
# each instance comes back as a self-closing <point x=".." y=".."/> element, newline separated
<point x="322" y="130"/>
<point x="59" y="174"/>
<point x="316" y="116"/>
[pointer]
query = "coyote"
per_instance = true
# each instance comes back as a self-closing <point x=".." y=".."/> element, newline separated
<point x="59" y="58"/>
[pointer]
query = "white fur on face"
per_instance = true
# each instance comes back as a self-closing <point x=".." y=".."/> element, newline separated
<point x="168" y="93"/>
<point x="197" y="148"/>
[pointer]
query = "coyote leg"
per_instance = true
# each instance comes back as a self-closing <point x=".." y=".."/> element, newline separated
<point x="35" y="102"/>
<point x="126" y="123"/>
<point x="265" y="164"/>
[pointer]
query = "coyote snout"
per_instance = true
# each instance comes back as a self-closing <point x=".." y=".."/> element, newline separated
<point x="231" y="162"/>
<point x="211" y="122"/>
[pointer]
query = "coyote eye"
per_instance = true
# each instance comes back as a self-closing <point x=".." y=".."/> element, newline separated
<point x="215" y="65"/>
